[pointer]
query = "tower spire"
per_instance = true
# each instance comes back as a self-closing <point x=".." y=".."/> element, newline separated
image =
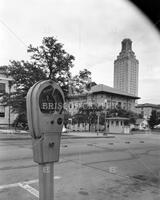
<point x="126" y="45"/>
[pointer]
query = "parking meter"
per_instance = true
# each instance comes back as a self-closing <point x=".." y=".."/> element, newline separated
<point x="45" y="102"/>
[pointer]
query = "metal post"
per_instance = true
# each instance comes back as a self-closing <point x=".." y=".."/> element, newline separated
<point x="106" y="106"/>
<point x="46" y="181"/>
<point x="105" y="122"/>
<point x="98" y="125"/>
<point x="9" y="110"/>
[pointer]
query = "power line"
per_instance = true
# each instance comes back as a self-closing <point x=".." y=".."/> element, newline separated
<point x="13" y="33"/>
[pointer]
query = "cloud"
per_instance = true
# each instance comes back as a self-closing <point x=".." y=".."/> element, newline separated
<point x="149" y="90"/>
<point x="91" y="30"/>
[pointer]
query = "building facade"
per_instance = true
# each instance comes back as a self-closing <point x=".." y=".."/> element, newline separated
<point x="6" y="115"/>
<point x="102" y="95"/>
<point x="126" y="68"/>
<point x="146" y="109"/>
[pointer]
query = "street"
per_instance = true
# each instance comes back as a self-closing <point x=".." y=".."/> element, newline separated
<point x="124" y="167"/>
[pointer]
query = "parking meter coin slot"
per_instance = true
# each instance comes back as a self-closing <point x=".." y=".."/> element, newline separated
<point x="51" y="144"/>
<point x="51" y="125"/>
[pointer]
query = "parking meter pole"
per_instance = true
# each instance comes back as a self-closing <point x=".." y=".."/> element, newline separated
<point x="46" y="181"/>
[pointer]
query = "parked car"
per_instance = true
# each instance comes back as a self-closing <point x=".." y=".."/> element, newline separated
<point x="64" y="130"/>
<point x="157" y="126"/>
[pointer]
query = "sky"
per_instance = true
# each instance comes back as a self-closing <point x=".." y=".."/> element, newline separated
<point x="91" y="30"/>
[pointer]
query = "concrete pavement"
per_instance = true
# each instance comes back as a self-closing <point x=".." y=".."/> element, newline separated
<point x="92" y="169"/>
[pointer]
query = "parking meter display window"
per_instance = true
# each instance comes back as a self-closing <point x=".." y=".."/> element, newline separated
<point x="46" y="100"/>
<point x="50" y="100"/>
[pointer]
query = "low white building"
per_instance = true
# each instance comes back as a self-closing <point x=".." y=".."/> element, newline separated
<point x="117" y="125"/>
<point x="6" y="115"/>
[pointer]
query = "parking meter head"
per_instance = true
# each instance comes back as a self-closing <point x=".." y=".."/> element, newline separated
<point x="45" y="102"/>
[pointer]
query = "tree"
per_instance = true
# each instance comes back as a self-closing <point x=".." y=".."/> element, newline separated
<point x="24" y="75"/>
<point x="67" y="116"/>
<point x="82" y="82"/>
<point x="48" y="61"/>
<point x="87" y="114"/>
<point x="53" y="60"/>
<point x="154" y="120"/>
<point x="119" y="112"/>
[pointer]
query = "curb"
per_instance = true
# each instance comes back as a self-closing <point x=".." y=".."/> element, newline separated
<point x="62" y="137"/>
<point x="87" y="137"/>
<point x="16" y="138"/>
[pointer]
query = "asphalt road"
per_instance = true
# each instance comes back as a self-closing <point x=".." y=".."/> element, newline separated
<point x="120" y="168"/>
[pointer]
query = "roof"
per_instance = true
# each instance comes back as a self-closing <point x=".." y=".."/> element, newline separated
<point x="108" y="89"/>
<point x="2" y="69"/>
<point x="138" y="121"/>
<point x="148" y="105"/>
<point x="117" y="118"/>
<point x="77" y="95"/>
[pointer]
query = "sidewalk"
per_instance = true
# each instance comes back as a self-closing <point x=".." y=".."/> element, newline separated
<point x="9" y="134"/>
<point x="6" y="134"/>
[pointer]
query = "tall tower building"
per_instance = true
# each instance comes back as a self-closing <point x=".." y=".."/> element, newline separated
<point x="126" y="68"/>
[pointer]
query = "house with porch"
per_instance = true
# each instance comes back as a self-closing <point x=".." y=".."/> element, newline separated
<point x="6" y="115"/>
